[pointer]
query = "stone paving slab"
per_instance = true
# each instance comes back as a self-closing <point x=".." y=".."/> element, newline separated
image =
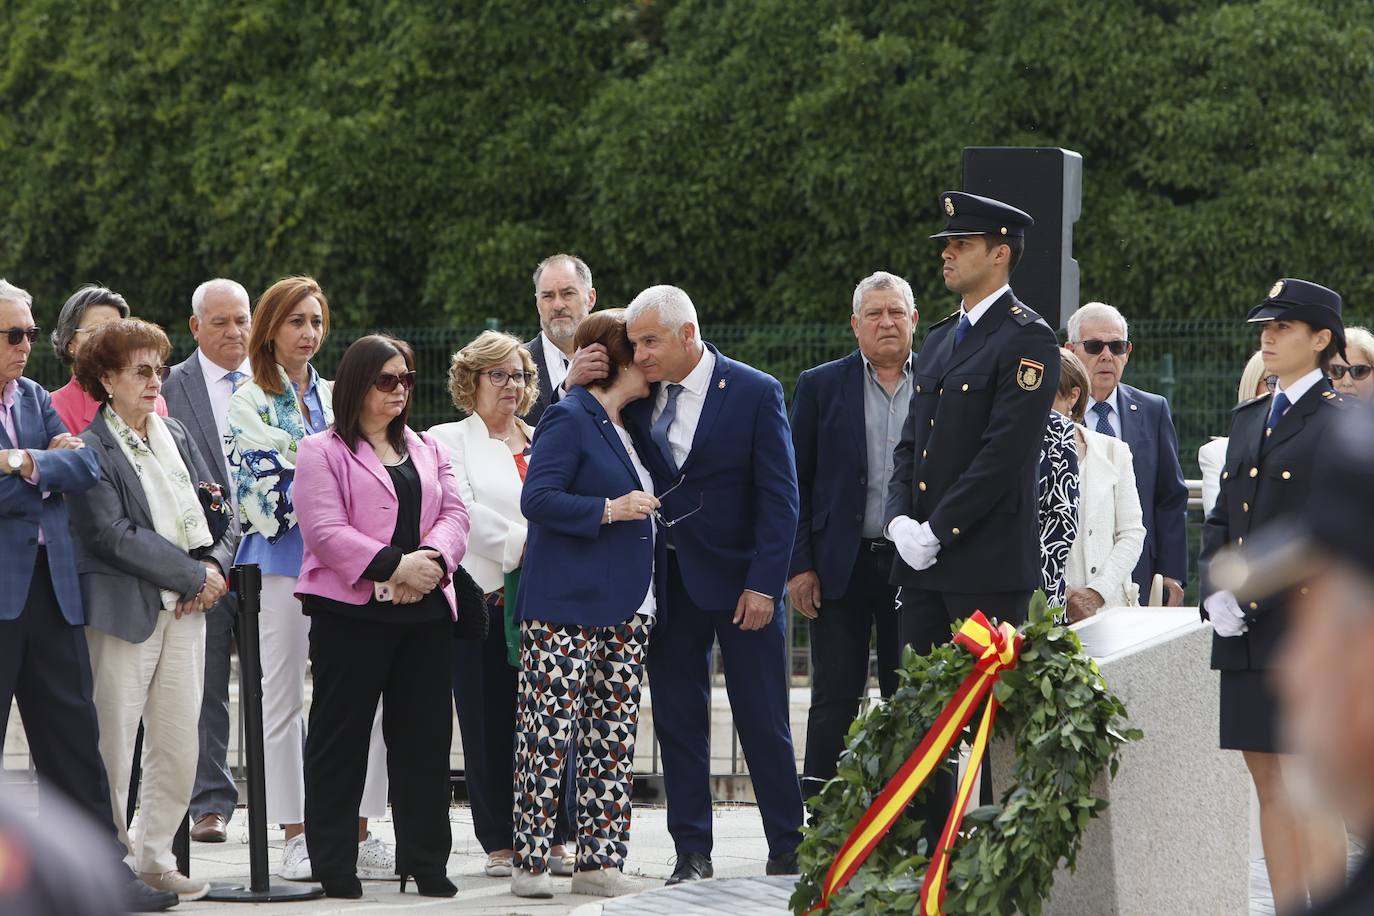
<point x="723" y="896"/>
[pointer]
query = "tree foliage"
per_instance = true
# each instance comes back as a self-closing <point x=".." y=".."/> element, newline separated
<point x="420" y="157"/>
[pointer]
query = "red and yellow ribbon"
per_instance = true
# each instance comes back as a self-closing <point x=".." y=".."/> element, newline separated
<point x="996" y="649"/>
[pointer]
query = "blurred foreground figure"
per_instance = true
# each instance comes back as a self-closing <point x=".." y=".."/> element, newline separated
<point x="56" y="863"/>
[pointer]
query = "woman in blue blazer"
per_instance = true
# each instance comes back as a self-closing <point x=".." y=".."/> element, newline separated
<point x="586" y="604"/>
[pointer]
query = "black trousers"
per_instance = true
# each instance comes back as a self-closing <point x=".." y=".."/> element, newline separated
<point x="926" y="622"/>
<point x="44" y="665"/>
<point x="408" y="667"/>
<point x="839" y="658"/>
<point x="484" y="689"/>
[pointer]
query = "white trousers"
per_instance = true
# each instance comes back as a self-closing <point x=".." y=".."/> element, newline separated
<point x="160" y="681"/>
<point x="284" y="644"/>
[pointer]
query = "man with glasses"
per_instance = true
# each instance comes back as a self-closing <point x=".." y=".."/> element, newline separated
<point x="197" y="393"/>
<point x="564" y="295"/>
<point x="847" y="416"/>
<point x="715" y="437"/>
<point x="1097" y="336"/>
<point x="43" y="656"/>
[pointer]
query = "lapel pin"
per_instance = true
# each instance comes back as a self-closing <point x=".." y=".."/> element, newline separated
<point x="721" y="386"/>
<point x="1133" y="407"/>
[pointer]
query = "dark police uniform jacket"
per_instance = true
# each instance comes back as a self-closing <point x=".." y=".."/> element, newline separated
<point x="970" y="453"/>
<point x="1263" y="478"/>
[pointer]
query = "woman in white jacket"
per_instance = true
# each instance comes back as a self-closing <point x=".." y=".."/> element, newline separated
<point x="1110" y="531"/>
<point x="493" y="380"/>
<point x="1253" y="384"/>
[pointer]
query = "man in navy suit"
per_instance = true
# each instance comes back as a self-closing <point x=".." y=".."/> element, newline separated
<point x="1097" y="335"/>
<point x="847" y="416"/>
<point x="564" y="296"/>
<point x="716" y="436"/>
<point x="43" y="658"/>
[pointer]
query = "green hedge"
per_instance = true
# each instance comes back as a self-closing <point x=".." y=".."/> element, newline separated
<point x="419" y="156"/>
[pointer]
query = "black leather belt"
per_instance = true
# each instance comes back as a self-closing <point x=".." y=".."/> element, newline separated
<point x="875" y="545"/>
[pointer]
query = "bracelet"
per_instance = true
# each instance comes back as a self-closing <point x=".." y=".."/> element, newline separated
<point x="608" y="511"/>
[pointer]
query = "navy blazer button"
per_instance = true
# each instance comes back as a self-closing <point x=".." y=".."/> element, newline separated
<point x="863" y="480"/>
<point x="859" y="517"/>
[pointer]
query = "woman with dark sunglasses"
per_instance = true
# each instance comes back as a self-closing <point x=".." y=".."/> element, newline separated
<point x="587" y="602"/>
<point x="1353" y="373"/>
<point x="1268" y="475"/>
<point x="151" y="559"/>
<point x="382" y="531"/>
<point x="87" y="309"/>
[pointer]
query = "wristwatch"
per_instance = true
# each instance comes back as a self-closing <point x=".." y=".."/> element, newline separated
<point x="15" y="461"/>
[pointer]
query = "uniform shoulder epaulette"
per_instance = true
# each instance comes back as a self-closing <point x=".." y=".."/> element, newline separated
<point x="1023" y="315"/>
<point x="1250" y="403"/>
<point x="950" y="316"/>
<point x="1334" y="399"/>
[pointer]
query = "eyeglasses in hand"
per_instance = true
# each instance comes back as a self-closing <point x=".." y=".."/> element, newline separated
<point x="668" y="523"/>
<point x="14" y="335"/>
<point x="1358" y="371"/>
<point x="146" y="372"/>
<point x="387" y="381"/>
<point x="499" y="377"/>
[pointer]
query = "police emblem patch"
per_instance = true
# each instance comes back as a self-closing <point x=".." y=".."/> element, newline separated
<point x="1275" y="289"/>
<point x="1030" y="374"/>
<point x="949" y="206"/>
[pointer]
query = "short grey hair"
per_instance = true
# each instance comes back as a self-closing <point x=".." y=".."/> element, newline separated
<point x="1094" y="310"/>
<point x="69" y="319"/>
<point x="883" y="280"/>
<point x="673" y="305"/>
<point x="217" y="285"/>
<point x="579" y="266"/>
<point x="11" y="293"/>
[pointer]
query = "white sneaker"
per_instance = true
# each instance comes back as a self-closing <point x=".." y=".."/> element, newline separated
<point x="604" y="882"/>
<point x="527" y="884"/>
<point x="295" y="860"/>
<point x="376" y="860"/>
<point x="186" y="889"/>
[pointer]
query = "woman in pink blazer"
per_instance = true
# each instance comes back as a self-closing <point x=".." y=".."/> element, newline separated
<point x="382" y="524"/>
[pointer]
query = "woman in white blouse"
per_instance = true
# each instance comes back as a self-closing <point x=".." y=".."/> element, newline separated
<point x="1110" y="531"/>
<point x="1253" y="384"/>
<point x="493" y="380"/>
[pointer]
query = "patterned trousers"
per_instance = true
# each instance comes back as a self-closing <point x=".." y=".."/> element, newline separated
<point x="584" y="679"/>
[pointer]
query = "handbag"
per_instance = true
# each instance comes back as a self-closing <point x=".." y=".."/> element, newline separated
<point x="472" y="622"/>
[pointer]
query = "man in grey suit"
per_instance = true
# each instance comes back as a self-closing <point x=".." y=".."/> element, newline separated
<point x="197" y="394"/>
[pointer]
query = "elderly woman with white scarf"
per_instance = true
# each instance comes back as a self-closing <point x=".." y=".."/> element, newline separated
<point x="152" y="555"/>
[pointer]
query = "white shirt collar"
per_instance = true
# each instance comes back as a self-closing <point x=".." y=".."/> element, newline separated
<point x="551" y="351"/>
<point x="214" y="372"/>
<point x="1110" y="401"/>
<point x="981" y="309"/>
<point x="699" y="379"/>
<point x="1301" y="386"/>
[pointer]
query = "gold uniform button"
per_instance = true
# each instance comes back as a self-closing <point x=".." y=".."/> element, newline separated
<point x="1254" y="472"/>
<point x="954" y="531"/>
<point x="1304" y="590"/>
<point x="1225" y="474"/>
<point x="918" y="389"/>
<point x="923" y="453"/>
<point x="921" y="486"/>
<point x="1240" y="542"/>
<point x="965" y="386"/>
<point x="1245" y="507"/>
<point x="941" y="391"/>
<point x="1254" y="606"/>
<point x="1286" y="474"/>
<point x="932" y="424"/>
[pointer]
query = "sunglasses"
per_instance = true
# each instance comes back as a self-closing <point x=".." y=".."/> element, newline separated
<point x="1359" y="372"/>
<point x="1094" y="347"/>
<point x="499" y="377"/>
<point x="14" y="335"/>
<point x="147" y="372"/>
<point x="387" y="382"/>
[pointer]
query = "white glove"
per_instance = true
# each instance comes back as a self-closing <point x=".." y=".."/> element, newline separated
<point x="916" y="543"/>
<point x="1225" y="614"/>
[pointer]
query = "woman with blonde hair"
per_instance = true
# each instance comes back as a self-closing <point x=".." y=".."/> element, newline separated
<point x="494" y="380"/>
<point x="1111" y="533"/>
<point x="1352" y="373"/>
<point x="1254" y="383"/>
<point x="285" y="401"/>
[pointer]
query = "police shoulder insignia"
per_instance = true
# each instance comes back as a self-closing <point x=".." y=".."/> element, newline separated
<point x="1030" y="374"/>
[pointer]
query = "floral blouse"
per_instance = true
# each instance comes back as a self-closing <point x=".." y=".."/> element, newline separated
<point x="1058" y="504"/>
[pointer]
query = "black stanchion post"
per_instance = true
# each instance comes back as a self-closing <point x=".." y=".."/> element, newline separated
<point x="246" y="581"/>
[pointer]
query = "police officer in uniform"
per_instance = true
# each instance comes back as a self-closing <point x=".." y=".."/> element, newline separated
<point x="961" y="506"/>
<point x="1268" y="475"/>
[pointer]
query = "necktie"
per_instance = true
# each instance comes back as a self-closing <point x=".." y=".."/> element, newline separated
<point x="1279" y="408"/>
<point x="964" y="327"/>
<point x="659" y="431"/>
<point x="234" y="379"/>
<point x="1104" y="410"/>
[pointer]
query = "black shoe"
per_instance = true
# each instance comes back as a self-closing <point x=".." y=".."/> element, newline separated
<point x="431" y="885"/>
<point x="140" y="898"/>
<point x="783" y="865"/>
<point x="347" y="887"/>
<point x="691" y="866"/>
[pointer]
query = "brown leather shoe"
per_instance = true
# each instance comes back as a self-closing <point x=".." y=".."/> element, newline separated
<point x="210" y="828"/>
